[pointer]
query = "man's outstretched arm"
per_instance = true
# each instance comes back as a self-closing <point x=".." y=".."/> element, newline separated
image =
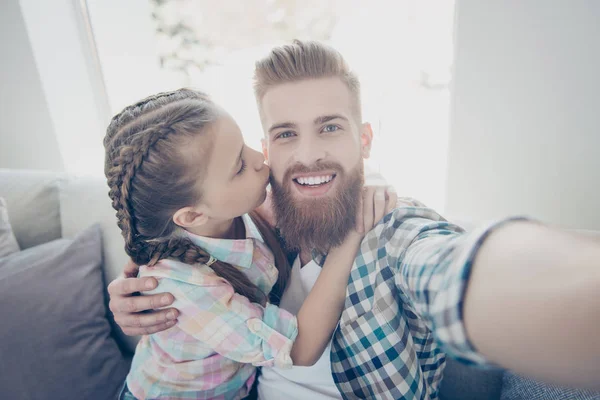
<point x="128" y="309"/>
<point x="517" y="293"/>
<point x="533" y="303"/>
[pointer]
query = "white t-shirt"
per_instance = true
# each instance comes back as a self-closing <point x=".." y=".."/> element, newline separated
<point x="299" y="383"/>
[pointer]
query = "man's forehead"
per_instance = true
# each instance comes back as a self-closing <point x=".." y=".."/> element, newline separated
<point x="303" y="101"/>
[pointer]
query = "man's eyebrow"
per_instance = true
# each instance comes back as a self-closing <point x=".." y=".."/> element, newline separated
<point x="286" y="125"/>
<point x="326" y="118"/>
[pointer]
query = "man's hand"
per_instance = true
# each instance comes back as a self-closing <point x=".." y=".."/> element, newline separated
<point x="129" y="309"/>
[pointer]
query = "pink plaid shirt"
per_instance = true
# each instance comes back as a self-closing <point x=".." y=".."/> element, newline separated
<point x="221" y="337"/>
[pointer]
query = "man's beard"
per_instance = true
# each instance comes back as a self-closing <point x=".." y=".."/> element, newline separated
<point x="322" y="222"/>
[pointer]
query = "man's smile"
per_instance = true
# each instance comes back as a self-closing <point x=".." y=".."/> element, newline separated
<point x="314" y="184"/>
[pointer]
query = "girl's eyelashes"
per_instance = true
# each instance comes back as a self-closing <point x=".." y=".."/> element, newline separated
<point x="242" y="168"/>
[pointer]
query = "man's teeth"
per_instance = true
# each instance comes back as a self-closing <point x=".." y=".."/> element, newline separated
<point x="314" y="180"/>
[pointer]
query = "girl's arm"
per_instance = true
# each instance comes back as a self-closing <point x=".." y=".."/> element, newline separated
<point x="321" y="311"/>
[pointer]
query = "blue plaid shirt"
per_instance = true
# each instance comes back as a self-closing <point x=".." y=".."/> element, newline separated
<point x="403" y="310"/>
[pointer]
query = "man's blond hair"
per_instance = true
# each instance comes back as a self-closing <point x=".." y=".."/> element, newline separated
<point x="303" y="60"/>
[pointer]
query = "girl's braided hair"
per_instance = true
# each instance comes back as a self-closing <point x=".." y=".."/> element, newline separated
<point x="149" y="181"/>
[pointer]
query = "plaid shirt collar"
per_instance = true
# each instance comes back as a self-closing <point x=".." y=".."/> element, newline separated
<point x="236" y="251"/>
<point x="318" y="257"/>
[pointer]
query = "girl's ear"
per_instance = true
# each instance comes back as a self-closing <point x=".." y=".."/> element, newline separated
<point x="188" y="217"/>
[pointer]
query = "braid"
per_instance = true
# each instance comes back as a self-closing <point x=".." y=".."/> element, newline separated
<point x="121" y="174"/>
<point x="184" y="250"/>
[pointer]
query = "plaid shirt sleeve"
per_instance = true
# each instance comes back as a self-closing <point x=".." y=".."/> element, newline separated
<point x="432" y="260"/>
<point x="228" y="323"/>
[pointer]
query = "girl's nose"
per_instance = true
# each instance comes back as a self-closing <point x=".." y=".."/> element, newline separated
<point x="258" y="160"/>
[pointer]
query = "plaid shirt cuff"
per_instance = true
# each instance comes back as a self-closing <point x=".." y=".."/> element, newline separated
<point x="447" y="310"/>
<point x="278" y="329"/>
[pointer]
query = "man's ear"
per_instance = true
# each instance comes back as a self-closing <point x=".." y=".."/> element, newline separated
<point x="265" y="148"/>
<point x="366" y="138"/>
<point x="188" y="217"/>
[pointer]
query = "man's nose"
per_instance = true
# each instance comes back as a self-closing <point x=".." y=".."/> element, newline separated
<point x="310" y="151"/>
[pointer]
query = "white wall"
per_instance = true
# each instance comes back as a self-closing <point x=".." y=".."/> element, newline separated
<point x="27" y="137"/>
<point x="65" y="57"/>
<point x="54" y="109"/>
<point x="525" y="129"/>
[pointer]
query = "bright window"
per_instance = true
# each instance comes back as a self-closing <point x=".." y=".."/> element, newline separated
<point x="401" y="50"/>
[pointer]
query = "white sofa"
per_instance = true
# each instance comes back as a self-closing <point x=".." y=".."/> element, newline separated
<point x="44" y="206"/>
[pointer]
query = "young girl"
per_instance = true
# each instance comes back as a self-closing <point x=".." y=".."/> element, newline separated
<point x="184" y="185"/>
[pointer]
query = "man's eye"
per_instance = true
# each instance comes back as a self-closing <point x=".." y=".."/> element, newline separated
<point x="330" y="128"/>
<point x="285" y="135"/>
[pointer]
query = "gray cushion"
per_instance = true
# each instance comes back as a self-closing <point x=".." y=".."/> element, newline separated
<point x="55" y="337"/>
<point x="515" y="387"/>
<point x="462" y="382"/>
<point x="32" y="199"/>
<point x="8" y="243"/>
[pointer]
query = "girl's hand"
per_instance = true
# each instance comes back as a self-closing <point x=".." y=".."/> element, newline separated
<point x="377" y="201"/>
